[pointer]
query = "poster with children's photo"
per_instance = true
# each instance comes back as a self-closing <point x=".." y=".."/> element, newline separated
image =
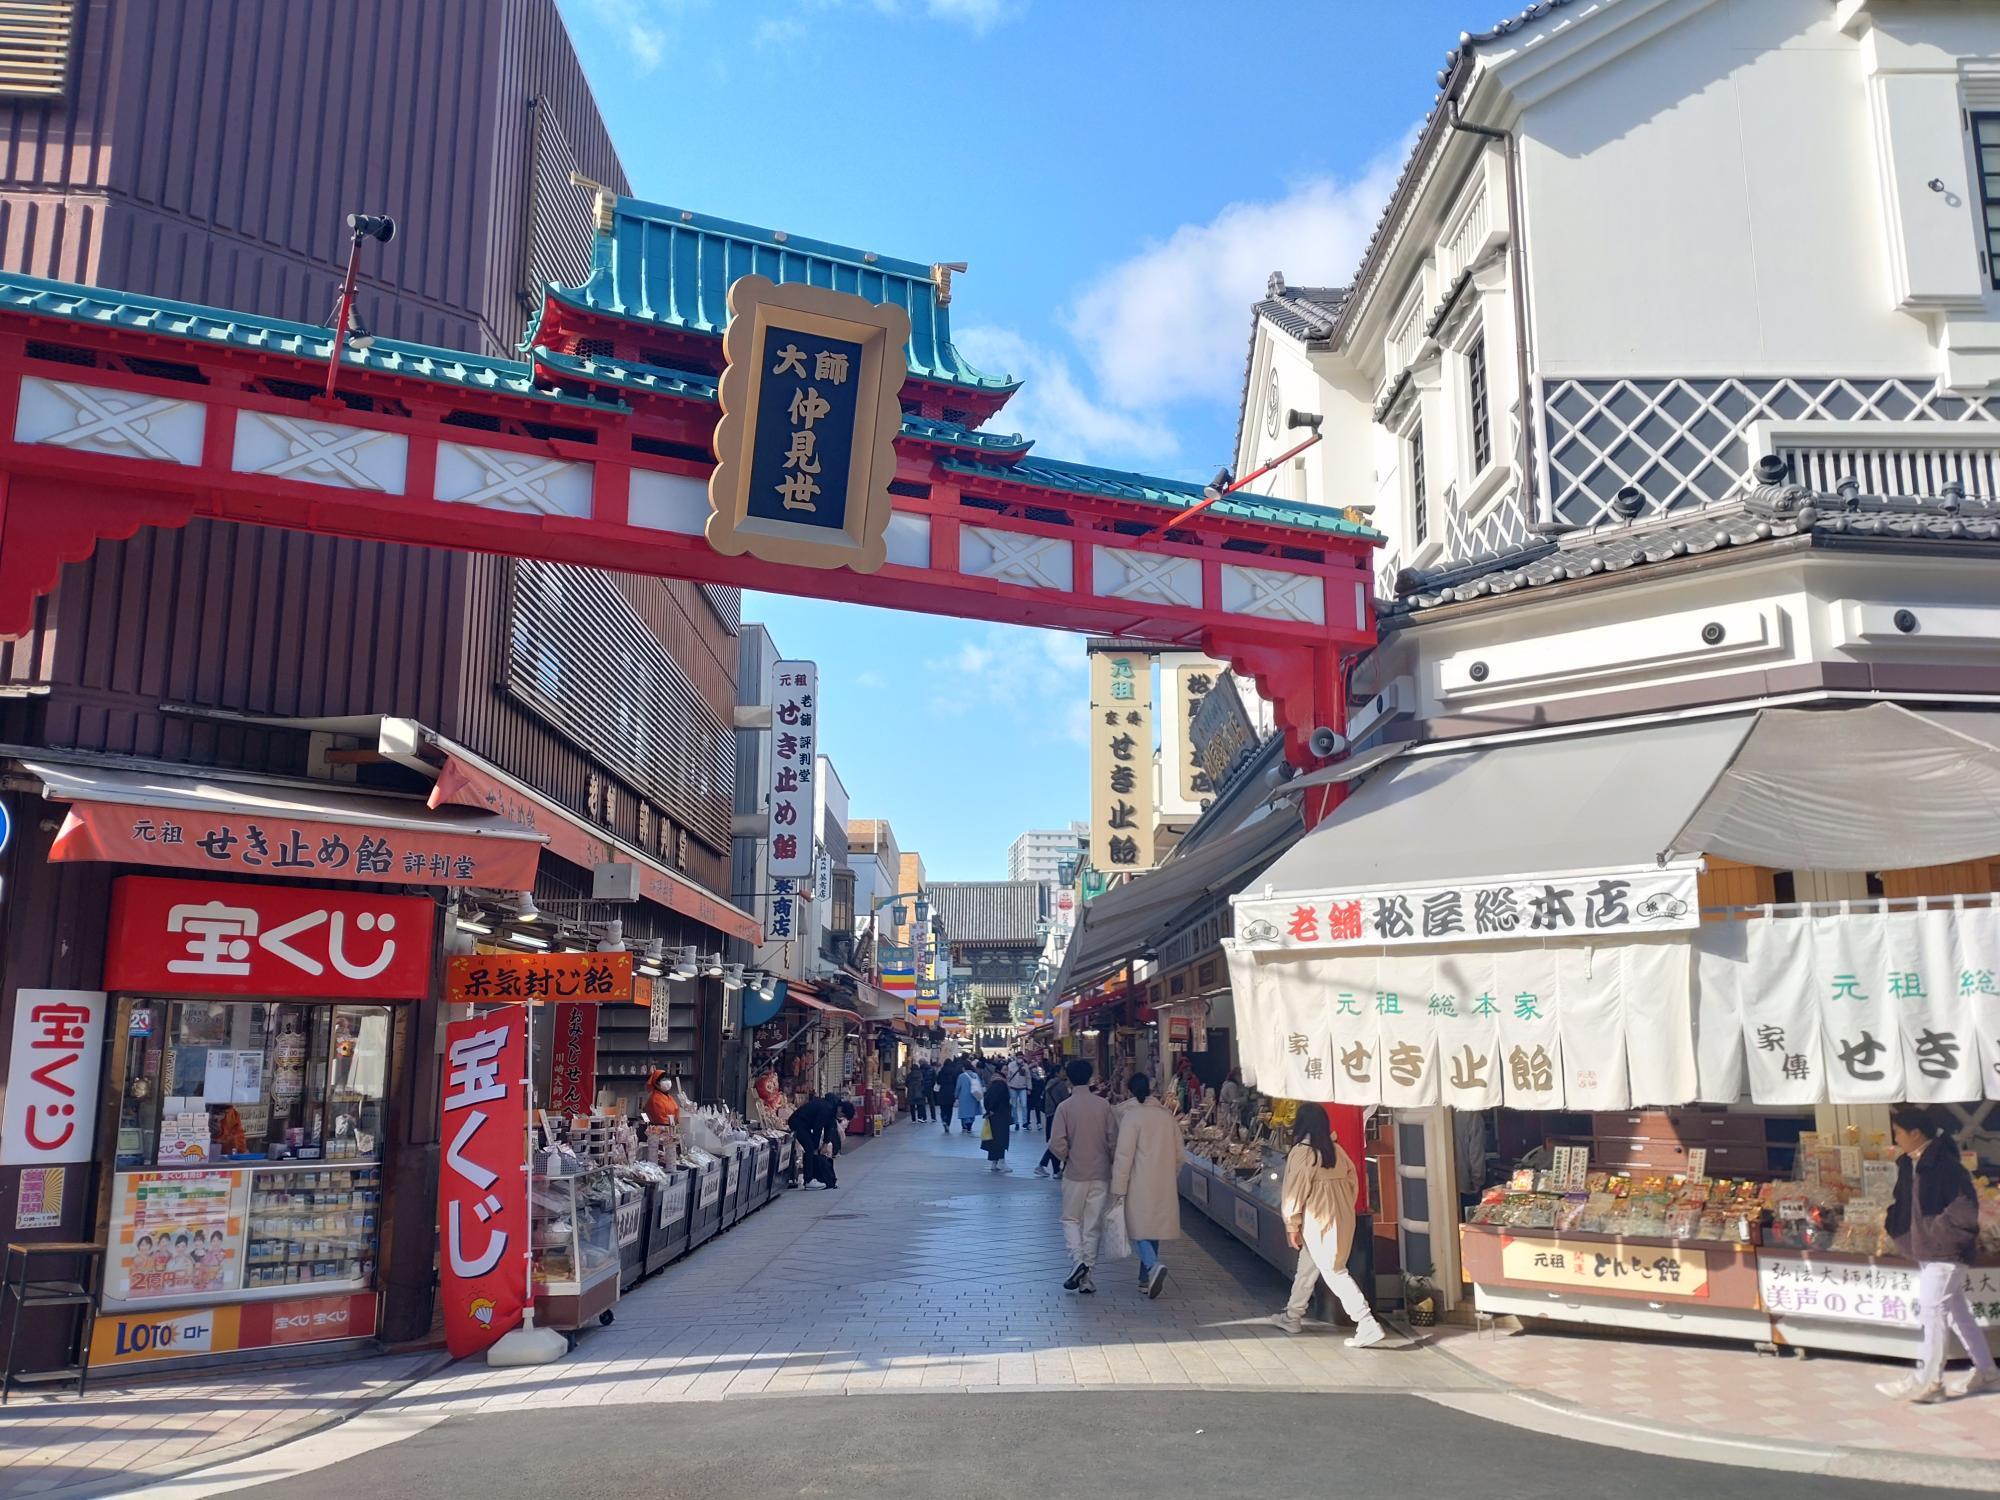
<point x="176" y="1235"/>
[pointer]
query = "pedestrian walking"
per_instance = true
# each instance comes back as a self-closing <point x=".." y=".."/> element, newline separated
<point x="1318" y="1197"/>
<point x="1053" y="1095"/>
<point x="1934" y="1221"/>
<point x="1017" y="1086"/>
<point x="999" y="1121"/>
<point x="1145" y="1176"/>
<point x="922" y="1080"/>
<point x="1038" y="1089"/>
<point x="1083" y="1136"/>
<point x="968" y="1100"/>
<point x="944" y="1092"/>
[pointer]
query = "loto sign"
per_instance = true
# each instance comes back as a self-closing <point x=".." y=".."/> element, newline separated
<point x="203" y="937"/>
<point x="483" y="1184"/>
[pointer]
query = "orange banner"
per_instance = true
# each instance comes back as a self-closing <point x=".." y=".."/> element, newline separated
<point x="293" y="848"/>
<point x="468" y="785"/>
<point x="539" y="976"/>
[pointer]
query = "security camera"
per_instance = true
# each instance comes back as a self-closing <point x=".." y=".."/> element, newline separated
<point x="372" y="227"/>
<point x="1326" y="743"/>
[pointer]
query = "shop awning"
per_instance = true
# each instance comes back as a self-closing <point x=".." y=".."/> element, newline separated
<point x="1135" y="918"/>
<point x="1875" y="788"/>
<point x="798" y="996"/>
<point x="878" y="1004"/>
<point x="465" y="779"/>
<point x="178" y="818"/>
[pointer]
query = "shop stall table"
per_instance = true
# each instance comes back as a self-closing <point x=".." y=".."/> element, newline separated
<point x="705" y="1221"/>
<point x="1858" y="1304"/>
<point x="630" y="1220"/>
<point x="667" y="1219"/>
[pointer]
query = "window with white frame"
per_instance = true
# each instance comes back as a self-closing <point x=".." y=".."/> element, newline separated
<point x="1420" y="510"/>
<point x="1478" y="407"/>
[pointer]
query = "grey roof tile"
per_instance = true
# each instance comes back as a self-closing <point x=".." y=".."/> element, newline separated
<point x="989" y="911"/>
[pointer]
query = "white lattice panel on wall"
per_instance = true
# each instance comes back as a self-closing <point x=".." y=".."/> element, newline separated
<point x="1686" y="442"/>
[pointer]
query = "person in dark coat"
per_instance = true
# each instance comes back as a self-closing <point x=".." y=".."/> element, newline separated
<point x="816" y="1123"/>
<point x="1038" y="1085"/>
<point x="946" y="1090"/>
<point x="1053" y="1093"/>
<point x="999" y="1119"/>
<point x="1934" y="1220"/>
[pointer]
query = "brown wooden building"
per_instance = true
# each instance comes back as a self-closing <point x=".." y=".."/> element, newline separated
<point x="209" y="150"/>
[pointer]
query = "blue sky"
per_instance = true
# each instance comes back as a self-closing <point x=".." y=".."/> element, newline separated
<point x="1122" y="176"/>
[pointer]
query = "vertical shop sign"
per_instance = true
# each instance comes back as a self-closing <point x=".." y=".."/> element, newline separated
<point x="794" y="753"/>
<point x="1193" y="682"/>
<point x="1121" y="760"/>
<point x="50" y="1112"/>
<point x="483" y="1191"/>
<point x="573" y="1061"/>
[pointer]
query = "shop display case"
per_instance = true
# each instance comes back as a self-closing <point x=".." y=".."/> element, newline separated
<point x="705" y="1217"/>
<point x="630" y="1218"/>
<point x="667" y="1219"/>
<point x="312" y="1227"/>
<point x="575" y="1241"/>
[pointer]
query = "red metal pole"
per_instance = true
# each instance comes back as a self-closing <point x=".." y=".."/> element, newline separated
<point x="1255" y="474"/>
<point x="341" y="314"/>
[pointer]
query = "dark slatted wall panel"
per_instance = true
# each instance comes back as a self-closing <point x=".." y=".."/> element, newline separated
<point x="560" y="214"/>
<point x="625" y="699"/>
<point x="251" y="619"/>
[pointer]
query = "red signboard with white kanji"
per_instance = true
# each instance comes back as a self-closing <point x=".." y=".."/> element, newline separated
<point x="204" y="937"/>
<point x="573" y="1059"/>
<point x="480" y="979"/>
<point x="483" y="1261"/>
<point x="292" y="848"/>
<point x="50" y="1109"/>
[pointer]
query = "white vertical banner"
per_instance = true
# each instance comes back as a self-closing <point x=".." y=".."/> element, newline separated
<point x="1592" y="1020"/>
<point x="1860" y="1037"/>
<point x="1659" y="1021"/>
<point x="1722" y="972"/>
<point x="1299" y="1048"/>
<point x="1468" y="1033"/>
<point x="1940" y="1051"/>
<point x="1976" y="944"/>
<point x="1781" y="1031"/>
<point x="49" y="1114"/>
<point x="1410" y="1074"/>
<point x="794" y="700"/>
<point x="1530" y="1036"/>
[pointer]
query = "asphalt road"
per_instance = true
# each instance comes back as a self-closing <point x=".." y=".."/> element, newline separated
<point x="1097" y="1445"/>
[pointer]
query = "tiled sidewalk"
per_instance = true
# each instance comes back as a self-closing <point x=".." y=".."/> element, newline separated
<point x="1731" y="1392"/>
<point x="925" y="1273"/>
<point x="55" y="1444"/>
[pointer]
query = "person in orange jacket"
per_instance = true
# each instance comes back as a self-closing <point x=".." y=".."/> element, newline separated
<point x="662" y="1108"/>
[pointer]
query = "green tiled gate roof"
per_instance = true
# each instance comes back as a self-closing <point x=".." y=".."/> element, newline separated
<point x="673" y="267"/>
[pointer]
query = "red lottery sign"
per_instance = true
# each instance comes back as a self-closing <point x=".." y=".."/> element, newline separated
<point x="50" y="1107"/>
<point x="206" y="937"/>
<point x="484" y="1269"/>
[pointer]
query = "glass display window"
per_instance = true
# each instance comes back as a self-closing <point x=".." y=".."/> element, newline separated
<point x="227" y="1081"/>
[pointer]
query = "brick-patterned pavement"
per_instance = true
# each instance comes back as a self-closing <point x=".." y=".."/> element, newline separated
<point x="923" y="1273"/>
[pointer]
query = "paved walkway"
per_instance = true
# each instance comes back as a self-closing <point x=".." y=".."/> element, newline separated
<point x="925" y="1274"/>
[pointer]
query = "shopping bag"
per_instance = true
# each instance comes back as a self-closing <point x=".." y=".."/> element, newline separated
<point x="1114" y="1243"/>
<point x="986" y="1130"/>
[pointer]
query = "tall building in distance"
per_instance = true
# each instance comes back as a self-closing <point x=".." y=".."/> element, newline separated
<point x="1039" y="853"/>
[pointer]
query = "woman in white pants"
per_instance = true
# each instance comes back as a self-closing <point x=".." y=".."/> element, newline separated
<point x="1934" y="1220"/>
<point x="1319" y="1194"/>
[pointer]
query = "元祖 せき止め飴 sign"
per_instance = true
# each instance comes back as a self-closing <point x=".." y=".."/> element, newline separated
<point x="483" y="1250"/>
<point x="203" y="937"/>
<point x="805" y="447"/>
<point x="794" y="763"/>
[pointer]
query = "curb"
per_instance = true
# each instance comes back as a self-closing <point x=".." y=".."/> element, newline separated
<point x="1885" y="1465"/>
<point x="248" y="1448"/>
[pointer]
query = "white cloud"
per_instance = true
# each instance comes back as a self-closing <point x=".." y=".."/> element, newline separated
<point x="1036" y="682"/>
<point x="871" y="679"/>
<point x="1054" y="409"/>
<point x="640" y="26"/>
<point x="1170" y="323"/>
<point x="980" y="15"/>
<point x="774" y="32"/>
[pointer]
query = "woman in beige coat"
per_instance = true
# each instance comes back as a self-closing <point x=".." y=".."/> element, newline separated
<point x="1146" y="1175"/>
<point x="1319" y="1194"/>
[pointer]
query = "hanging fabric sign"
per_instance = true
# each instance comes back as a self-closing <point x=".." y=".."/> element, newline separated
<point x="573" y="1059"/>
<point x="1527" y="1028"/>
<point x="483" y="1270"/>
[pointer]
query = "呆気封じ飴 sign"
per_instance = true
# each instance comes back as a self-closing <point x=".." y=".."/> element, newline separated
<point x="484" y="978"/>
